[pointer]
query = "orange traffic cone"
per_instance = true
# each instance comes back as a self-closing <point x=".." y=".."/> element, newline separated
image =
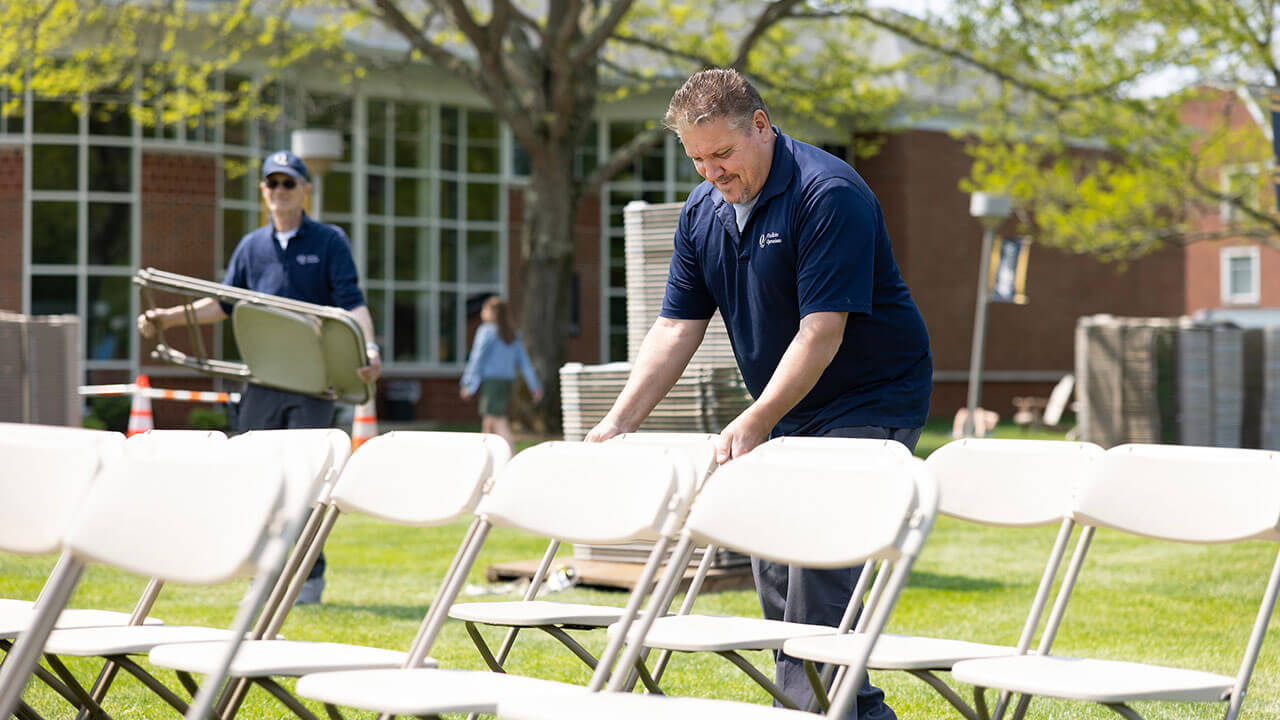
<point x="140" y="411"/>
<point x="365" y="426"/>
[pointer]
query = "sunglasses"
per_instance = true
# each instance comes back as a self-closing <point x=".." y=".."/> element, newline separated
<point x="288" y="183"/>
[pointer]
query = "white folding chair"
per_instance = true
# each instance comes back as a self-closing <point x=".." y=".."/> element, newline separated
<point x="405" y="477"/>
<point x="597" y="493"/>
<point x="994" y="482"/>
<point x="303" y="456"/>
<point x="730" y="636"/>
<point x="832" y="515"/>
<point x="557" y="618"/>
<point x="1179" y="494"/>
<point x="194" y="519"/>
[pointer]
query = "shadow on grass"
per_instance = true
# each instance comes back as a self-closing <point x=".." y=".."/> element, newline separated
<point x="961" y="583"/>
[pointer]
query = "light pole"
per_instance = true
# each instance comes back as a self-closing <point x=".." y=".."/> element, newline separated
<point x="990" y="210"/>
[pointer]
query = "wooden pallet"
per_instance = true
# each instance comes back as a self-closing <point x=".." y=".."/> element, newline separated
<point x="621" y="576"/>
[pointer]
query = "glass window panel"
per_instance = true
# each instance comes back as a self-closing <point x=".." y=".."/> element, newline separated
<point x="685" y="171"/>
<point x="448" y="255"/>
<point x="617" y="346"/>
<point x="337" y="192"/>
<point x="54" y="118"/>
<point x="405" y="321"/>
<point x="482" y="159"/>
<point x="53" y="233"/>
<point x="377" y="243"/>
<point x="376" y="194"/>
<point x="109" y="234"/>
<point x="110" y="118"/>
<point x="230" y="351"/>
<point x="332" y="112"/>
<point x="109" y="318"/>
<point x="53" y="295"/>
<point x="54" y="167"/>
<point x="377" y="132"/>
<point x="482" y="257"/>
<point x="110" y="169"/>
<point x="618" y="200"/>
<point x="448" y="138"/>
<point x="234" y="227"/>
<point x="448" y="199"/>
<point x="447" y="339"/>
<point x="413" y="254"/>
<point x="618" y="311"/>
<point x="586" y="157"/>
<point x="482" y="201"/>
<point x="621" y="133"/>
<point x="1241" y="276"/>
<point x="519" y="160"/>
<point x="376" y="298"/>
<point x="411" y="145"/>
<point x="413" y="197"/>
<point x="236" y="178"/>
<point x="235" y="130"/>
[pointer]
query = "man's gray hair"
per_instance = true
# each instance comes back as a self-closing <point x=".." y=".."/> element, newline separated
<point x="712" y="94"/>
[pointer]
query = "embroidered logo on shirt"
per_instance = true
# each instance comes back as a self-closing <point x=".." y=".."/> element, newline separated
<point x="308" y="259"/>
<point x="770" y="238"/>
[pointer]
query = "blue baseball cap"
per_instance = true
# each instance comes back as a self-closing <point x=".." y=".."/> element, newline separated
<point x="287" y="163"/>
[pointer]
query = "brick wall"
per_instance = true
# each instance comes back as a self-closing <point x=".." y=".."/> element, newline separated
<point x="937" y="245"/>
<point x="11" y="229"/>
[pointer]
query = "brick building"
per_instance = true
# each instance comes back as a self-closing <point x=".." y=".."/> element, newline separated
<point x="430" y="192"/>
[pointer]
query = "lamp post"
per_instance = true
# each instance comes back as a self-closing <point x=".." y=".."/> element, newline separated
<point x="319" y="149"/>
<point x="990" y="211"/>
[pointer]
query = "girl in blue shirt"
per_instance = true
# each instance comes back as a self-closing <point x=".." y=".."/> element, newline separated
<point x="496" y="353"/>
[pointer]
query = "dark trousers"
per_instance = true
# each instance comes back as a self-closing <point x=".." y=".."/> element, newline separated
<point x="264" y="408"/>
<point x="819" y="597"/>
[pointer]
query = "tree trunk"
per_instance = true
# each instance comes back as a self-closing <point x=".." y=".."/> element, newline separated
<point x="547" y="246"/>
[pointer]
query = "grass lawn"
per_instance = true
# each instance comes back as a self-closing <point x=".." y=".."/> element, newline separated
<point x="1196" y="610"/>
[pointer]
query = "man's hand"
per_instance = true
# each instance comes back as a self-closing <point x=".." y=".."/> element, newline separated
<point x="462" y="393"/>
<point x="604" y="430"/>
<point x="740" y="437"/>
<point x="537" y="396"/>
<point x="371" y="372"/>
<point x="148" y="322"/>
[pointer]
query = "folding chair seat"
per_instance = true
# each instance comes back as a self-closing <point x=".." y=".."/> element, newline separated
<point x="304" y="458"/>
<point x="834" y="514"/>
<point x="405" y="477"/>
<point x="596" y="493"/>
<point x="1170" y="493"/>
<point x="200" y="519"/>
<point x="730" y="636"/>
<point x="993" y="482"/>
<point x="554" y="617"/>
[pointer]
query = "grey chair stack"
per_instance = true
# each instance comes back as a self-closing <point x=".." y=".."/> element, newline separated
<point x="39" y="369"/>
<point x="1270" y="366"/>
<point x="709" y="393"/>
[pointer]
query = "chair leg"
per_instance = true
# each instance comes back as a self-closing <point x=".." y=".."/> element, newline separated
<point x="483" y="648"/>
<point x="152" y="683"/>
<point x="26" y="712"/>
<point x="188" y="682"/>
<point x="1123" y="711"/>
<point x="75" y="693"/>
<point x="947" y="692"/>
<point x="763" y="681"/>
<point x="980" y="703"/>
<point x="573" y="645"/>
<point x="333" y="712"/>
<point x="295" y="706"/>
<point x="820" y="700"/>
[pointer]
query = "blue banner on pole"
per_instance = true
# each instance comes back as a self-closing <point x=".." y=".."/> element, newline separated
<point x="1007" y="277"/>
<point x="1275" y="142"/>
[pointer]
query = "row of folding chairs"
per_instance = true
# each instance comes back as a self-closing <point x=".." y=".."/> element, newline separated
<point x="815" y="502"/>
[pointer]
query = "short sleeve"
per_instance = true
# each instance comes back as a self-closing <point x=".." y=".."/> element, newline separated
<point x="687" y="296"/>
<point x="344" y="283"/>
<point x="835" y="263"/>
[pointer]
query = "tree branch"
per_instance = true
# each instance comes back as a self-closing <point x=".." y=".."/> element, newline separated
<point x="771" y="16"/>
<point x="590" y="47"/>
<point x="623" y="157"/>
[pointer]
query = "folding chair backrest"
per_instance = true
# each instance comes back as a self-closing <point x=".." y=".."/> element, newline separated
<point x="1010" y="482"/>
<point x="45" y="472"/>
<point x="698" y="447"/>
<point x="197" y="519"/>
<point x="812" y="512"/>
<point x="601" y="493"/>
<point x="307" y="458"/>
<point x="173" y="444"/>
<point x="858" y="446"/>
<point x="1185" y="494"/>
<point x="418" y="477"/>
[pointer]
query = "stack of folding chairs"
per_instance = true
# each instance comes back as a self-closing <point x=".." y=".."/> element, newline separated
<point x="200" y="508"/>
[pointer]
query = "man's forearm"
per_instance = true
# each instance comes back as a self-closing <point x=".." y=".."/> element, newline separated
<point x="206" y="310"/>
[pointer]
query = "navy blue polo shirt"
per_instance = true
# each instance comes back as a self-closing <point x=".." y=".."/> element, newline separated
<point x="815" y="241"/>
<point x="317" y="267"/>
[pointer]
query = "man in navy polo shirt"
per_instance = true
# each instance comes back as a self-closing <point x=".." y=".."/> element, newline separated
<point x="293" y="257"/>
<point x="790" y="245"/>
